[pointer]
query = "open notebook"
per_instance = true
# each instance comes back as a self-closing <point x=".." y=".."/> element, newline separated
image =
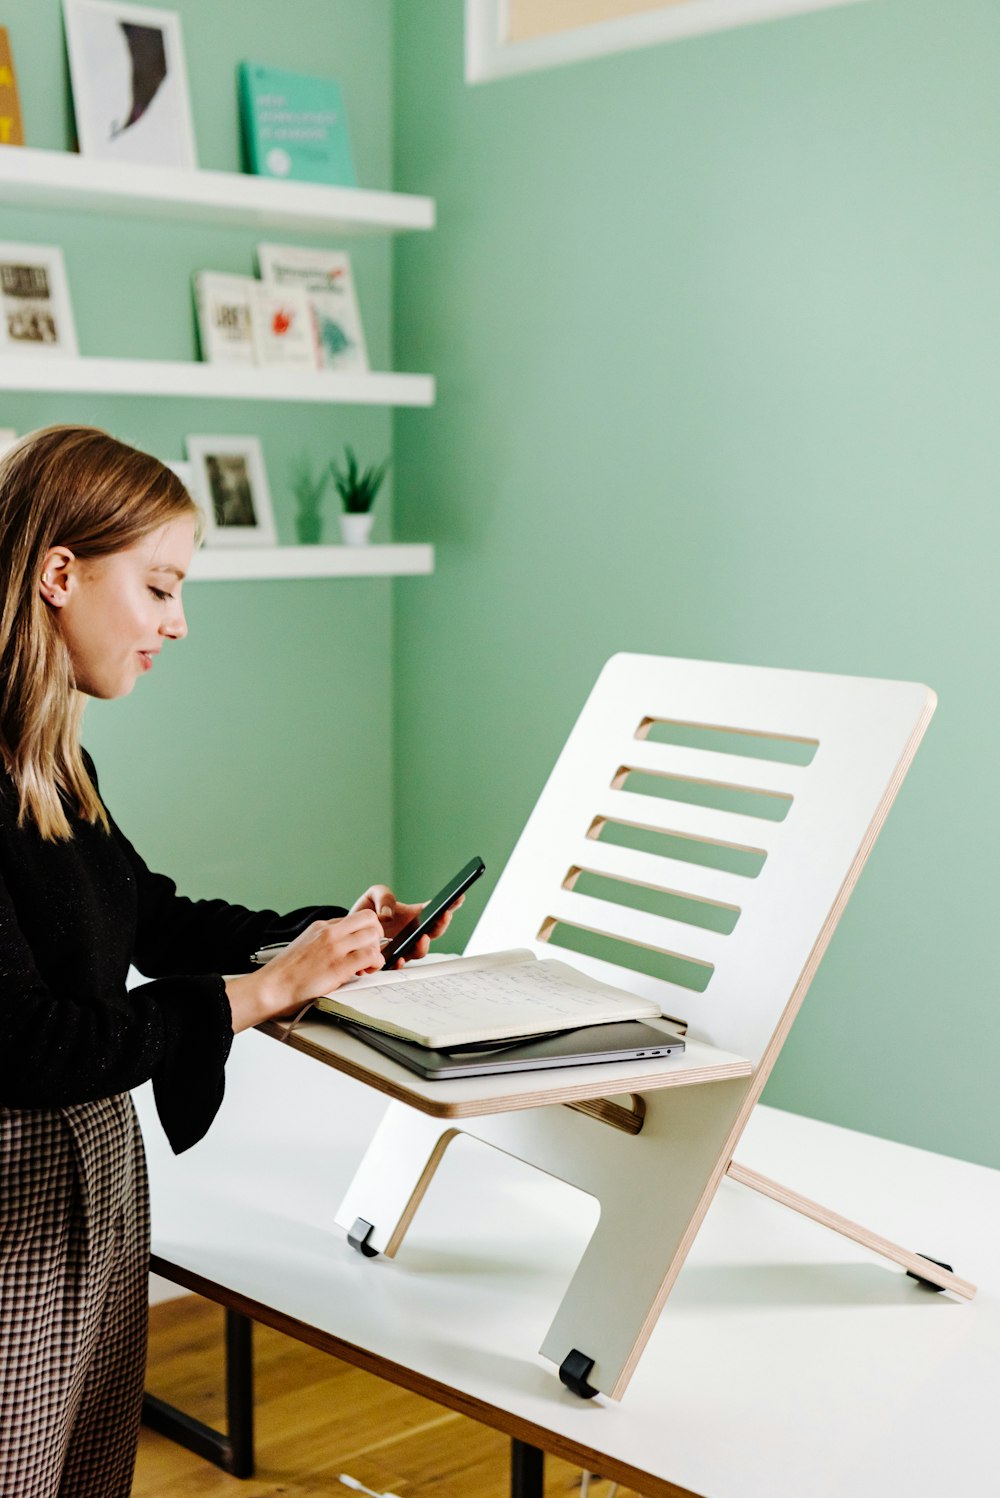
<point x="496" y="996"/>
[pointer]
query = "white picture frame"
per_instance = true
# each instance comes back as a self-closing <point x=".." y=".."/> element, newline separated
<point x="230" y="484"/>
<point x="130" y="87"/>
<point x="36" y="316"/>
<point x="490" y="53"/>
<point x="8" y="438"/>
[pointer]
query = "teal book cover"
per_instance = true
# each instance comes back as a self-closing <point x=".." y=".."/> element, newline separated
<point x="294" y="126"/>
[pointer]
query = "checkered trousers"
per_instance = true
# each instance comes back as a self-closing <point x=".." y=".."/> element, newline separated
<point x="74" y="1263"/>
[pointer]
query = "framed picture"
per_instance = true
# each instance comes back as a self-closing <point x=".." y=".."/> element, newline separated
<point x="505" y="37"/>
<point x="230" y="482"/>
<point x="8" y="437"/>
<point x="130" y="91"/>
<point x="35" y="312"/>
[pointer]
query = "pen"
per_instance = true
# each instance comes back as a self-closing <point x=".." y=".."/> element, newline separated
<point x="265" y="954"/>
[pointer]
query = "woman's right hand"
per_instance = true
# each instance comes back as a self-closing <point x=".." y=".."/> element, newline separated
<point x="325" y="955"/>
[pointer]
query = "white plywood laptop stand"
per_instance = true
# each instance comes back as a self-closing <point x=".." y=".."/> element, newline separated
<point x="655" y="1150"/>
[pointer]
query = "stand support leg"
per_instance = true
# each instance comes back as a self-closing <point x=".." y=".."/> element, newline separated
<point x="641" y="1238"/>
<point x="527" y="1471"/>
<point x="918" y="1265"/>
<point x="232" y="1452"/>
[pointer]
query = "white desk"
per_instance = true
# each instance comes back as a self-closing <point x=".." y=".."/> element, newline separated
<point x="788" y="1361"/>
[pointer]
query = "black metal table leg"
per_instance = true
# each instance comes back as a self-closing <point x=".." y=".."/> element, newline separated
<point x="232" y="1452"/>
<point x="527" y="1471"/>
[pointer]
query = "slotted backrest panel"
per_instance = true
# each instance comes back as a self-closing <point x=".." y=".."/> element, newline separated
<point x="701" y="831"/>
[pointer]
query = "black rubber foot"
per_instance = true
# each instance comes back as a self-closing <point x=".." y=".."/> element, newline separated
<point x="930" y="1283"/>
<point x="358" y="1238"/>
<point x="573" y="1373"/>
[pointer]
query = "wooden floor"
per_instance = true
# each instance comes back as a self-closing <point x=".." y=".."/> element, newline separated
<point x="316" y="1418"/>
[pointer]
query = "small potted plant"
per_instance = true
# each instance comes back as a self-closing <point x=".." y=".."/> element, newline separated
<point x="358" y="491"/>
<point x="309" y="494"/>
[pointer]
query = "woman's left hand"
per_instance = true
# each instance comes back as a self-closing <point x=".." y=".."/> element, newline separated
<point x="394" y="915"/>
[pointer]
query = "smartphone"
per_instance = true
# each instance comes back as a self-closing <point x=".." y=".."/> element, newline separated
<point x="402" y="944"/>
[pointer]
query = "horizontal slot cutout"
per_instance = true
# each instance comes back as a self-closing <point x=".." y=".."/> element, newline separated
<point x="781" y="748"/>
<point x="770" y="806"/>
<point x="669" y="967"/>
<point x="708" y="915"/>
<point x="729" y="858"/>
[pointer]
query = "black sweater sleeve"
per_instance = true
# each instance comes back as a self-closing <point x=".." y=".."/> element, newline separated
<point x="203" y="935"/>
<point x="73" y="916"/>
<point x="175" y="934"/>
<point x="59" y="1046"/>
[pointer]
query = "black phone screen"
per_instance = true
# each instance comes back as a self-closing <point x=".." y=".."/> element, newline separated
<point x="404" y="941"/>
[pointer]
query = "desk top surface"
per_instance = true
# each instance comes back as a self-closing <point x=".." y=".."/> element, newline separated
<point x="787" y="1360"/>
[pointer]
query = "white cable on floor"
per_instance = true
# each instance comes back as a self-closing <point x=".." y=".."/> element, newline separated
<point x="359" y="1487"/>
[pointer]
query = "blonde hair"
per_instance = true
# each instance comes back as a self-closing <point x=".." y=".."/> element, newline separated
<point x="80" y="488"/>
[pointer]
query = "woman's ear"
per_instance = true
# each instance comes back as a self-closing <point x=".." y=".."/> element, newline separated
<point x="57" y="576"/>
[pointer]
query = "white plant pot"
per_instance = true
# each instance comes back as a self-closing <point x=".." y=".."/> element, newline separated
<point x="356" y="529"/>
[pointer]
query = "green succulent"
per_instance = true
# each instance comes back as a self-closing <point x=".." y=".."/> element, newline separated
<point x="357" y="489"/>
<point x="308" y="490"/>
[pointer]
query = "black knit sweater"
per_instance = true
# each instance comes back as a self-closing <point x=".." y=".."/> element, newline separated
<point x="73" y="917"/>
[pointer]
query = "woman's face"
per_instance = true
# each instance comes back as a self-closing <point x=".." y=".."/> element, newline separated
<point x="115" y="612"/>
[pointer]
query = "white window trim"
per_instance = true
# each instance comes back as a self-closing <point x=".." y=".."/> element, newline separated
<point x="488" y="56"/>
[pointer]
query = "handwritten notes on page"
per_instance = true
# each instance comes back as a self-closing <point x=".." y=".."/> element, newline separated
<point x="483" y="998"/>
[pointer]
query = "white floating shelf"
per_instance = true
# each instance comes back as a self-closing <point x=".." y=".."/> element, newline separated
<point x="61" y="180"/>
<point x="215" y="564"/>
<point x="211" y="381"/>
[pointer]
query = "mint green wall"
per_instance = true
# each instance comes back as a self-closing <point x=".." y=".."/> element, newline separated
<point x="716" y="331"/>
<point x="715" y="326"/>
<point x="256" y="762"/>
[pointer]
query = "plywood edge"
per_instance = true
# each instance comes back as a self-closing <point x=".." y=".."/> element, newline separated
<point x="780" y="1034"/>
<point x="562" y="1091"/>
<point x="913" y="1263"/>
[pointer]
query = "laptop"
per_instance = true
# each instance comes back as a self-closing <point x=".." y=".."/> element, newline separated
<point x="624" y="1040"/>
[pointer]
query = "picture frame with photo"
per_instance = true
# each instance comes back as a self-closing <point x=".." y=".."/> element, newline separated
<point x="129" y="79"/>
<point x="230" y="483"/>
<point x="36" y="317"/>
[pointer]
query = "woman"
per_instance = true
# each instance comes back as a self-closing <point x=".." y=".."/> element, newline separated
<point x="95" y="540"/>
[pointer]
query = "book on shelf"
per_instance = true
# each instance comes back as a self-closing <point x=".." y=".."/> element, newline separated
<point x="283" y="328"/>
<point x="294" y="126"/>
<point x="224" y="305"/>
<point x="497" y="996"/>
<point x="325" y="276"/>
<point x="11" y="126"/>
